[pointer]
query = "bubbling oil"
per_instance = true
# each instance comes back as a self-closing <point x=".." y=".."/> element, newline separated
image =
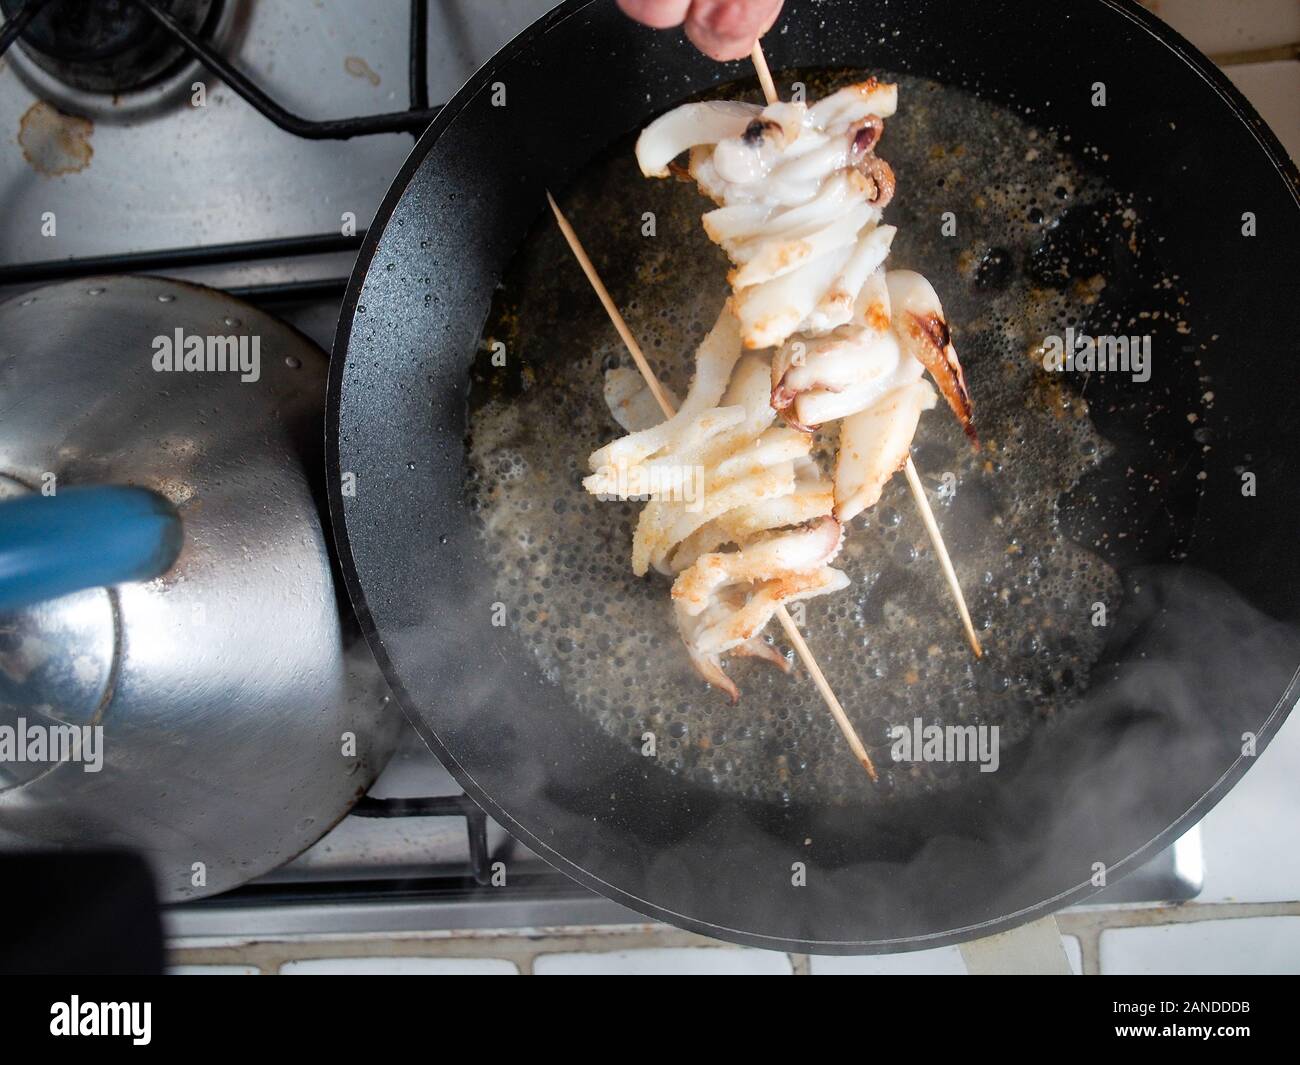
<point x="891" y="645"/>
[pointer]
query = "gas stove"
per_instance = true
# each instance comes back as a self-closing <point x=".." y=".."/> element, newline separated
<point x="246" y="145"/>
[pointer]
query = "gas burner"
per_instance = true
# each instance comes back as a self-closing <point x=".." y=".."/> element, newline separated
<point x="112" y="61"/>
<point x="109" y="46"/>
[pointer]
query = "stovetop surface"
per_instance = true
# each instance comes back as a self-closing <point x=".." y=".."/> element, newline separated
<point x="176" y="175"/>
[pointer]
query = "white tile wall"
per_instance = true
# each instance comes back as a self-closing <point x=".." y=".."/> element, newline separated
<point x="1073" y="953"/>
<point x="1274" y="89"/>
<point x="1254" y="945"/>
<point x="1251" y="840"/>
<point x="944" y="961"/>
<point x="1218" y="26"/>
<point x="681" y="961"/>
<point x="400" y="967"/>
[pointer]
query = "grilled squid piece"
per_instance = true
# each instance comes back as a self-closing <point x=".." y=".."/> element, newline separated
<point x="714" y="361"/>
<point x="786" y="552"/>
<point x="816" y="380"/>
<point x="800" y="193"/>
<point x="750" y="461"/>
<point x="709" y="666"/>
<point x="738" y="513"/>
<point x="757" y="530"/>
<point x="922" y="329"/>
<point x="874" y="445"/>
<point x="868" y="374"/>
<point x="684" y="127"/>
<point x="741" y="625"/>
<point x="630" y="402"/>
<point x="812" y="498"/>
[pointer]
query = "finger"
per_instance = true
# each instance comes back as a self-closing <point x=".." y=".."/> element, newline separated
<point x="727" y="29"/>
<point x="659" y="14"/>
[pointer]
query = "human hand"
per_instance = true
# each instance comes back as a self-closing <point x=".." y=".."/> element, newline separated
<point x="721" y="29"/>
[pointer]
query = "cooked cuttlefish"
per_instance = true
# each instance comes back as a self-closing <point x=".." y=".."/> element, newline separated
<point x="737" y="512"/>
<point x="816" y="330"/>
<point x="800" y="192"/>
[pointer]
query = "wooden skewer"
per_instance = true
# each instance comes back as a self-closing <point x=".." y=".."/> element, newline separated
<point x="941" y="549"/>
<point x="764" y="73"/>
<point x="913" y="478"/>
<point x="638" y="356"/>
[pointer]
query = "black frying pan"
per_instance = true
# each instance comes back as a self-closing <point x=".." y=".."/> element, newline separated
<point x="1201" y="653"/>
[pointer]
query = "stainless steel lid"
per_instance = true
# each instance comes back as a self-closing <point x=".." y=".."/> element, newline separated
<point x="239" y="720"/>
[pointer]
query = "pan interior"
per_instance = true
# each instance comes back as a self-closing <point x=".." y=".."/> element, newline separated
<point x="1023" y="239"/>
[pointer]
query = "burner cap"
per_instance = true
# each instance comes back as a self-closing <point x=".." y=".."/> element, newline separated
<point x="108" y="46"/>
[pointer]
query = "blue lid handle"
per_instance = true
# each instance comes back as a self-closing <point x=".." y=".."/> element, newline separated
<point x="83" y="538"/>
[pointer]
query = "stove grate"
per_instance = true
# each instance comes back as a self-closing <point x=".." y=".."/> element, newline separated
<point x="439" y="806"/>
<point x="413" y="121"/>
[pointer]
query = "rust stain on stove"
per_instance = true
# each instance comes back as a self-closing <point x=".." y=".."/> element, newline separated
<point x="54" y="143"/>
<point x="359" y="68"/>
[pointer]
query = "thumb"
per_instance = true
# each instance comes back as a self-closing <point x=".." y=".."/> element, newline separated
<point x="727" y="29"/>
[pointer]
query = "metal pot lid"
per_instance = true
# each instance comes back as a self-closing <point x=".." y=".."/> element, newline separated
<point x="238" y="723"/>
